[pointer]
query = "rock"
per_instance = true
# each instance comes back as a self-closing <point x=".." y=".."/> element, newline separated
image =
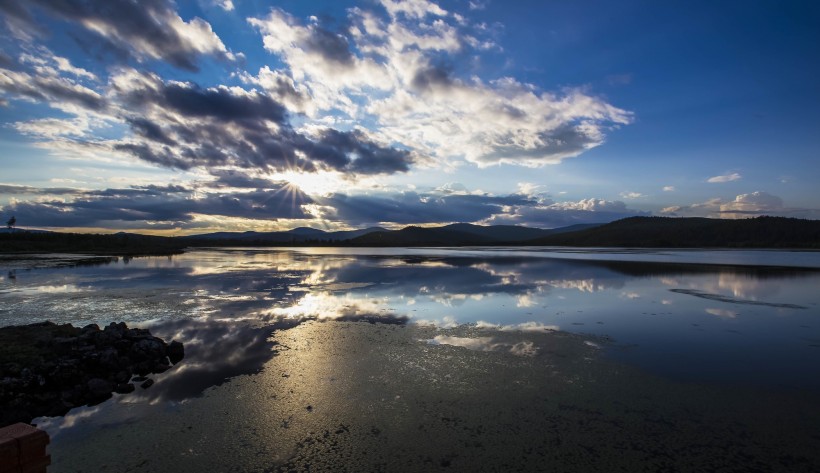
<point x="90" y="328"/>
<point x="109" y="359"/>
<point x="98" y="390"/>
<point x="175" y="352"/>
<point x="142" y="368"/>
<point x="116" y="331"/>
<point x="63" y="345"/>
<point x="98" y="385"/>
<point x="147" y="349"/>
<point x="124" y="388"/>
<point x="137" y="334"/>
<point x="122" y="376"/>
<point x="52" y="368"/>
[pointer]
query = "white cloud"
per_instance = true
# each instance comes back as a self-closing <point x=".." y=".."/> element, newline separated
<point x="226" y="5"/>
<point x="703" y="209"/>
<point x="755" y="202"/>
<point x="669" y="188"/>
<point x="415" y="9"/>
<point x="724" y="178"/>
<point x="528" y="188"/>
<point x="549" y="214"/>
<point x="389" y="73"/>
<point x="743" y="206"/>
<point x="632" y="195"/>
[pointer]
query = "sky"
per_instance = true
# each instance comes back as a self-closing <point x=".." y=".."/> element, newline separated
<point x="187" y="117"/>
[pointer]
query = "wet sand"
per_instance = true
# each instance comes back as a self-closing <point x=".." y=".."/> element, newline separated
<point x="355" y="396"/>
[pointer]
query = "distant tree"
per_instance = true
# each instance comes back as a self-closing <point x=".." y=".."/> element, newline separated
<point x="12" y="221"/>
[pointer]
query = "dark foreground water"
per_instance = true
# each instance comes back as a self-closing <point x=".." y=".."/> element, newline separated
<point x="465" y="360"/>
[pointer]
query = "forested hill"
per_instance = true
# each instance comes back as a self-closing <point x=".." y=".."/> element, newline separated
<point x="667" y="232"/>
<point x="121" y="244"/>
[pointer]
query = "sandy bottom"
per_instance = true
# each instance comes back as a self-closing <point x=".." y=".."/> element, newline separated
<point x="353" y="396"/>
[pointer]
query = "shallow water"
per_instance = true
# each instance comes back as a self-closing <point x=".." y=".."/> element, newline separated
<point x="498" y="339"/>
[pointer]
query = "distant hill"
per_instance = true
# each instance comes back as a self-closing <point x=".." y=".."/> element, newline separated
<point x="121" y="244"/>
<point x="510" y="233"/>
<point x="418" y="236"/>
<point x="296" y="235"/>
<point x="458" y="234"/>
<point x="667" y="232"/>
<point x="639" y="232"/>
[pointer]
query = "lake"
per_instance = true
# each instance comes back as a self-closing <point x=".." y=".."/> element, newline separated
<point x="470" y="359"/>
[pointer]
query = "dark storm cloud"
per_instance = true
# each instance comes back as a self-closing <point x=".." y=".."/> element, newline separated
<point x="149" y="130"/>
<point x="220" y="103"/>
<point x="331" y="46"/>
<point x="566" y="140"/>
<point x="410" y="207"/>
<point x="163" y="156"/>
<point x="353" y="151"/>
<point x="432" y="77"/>
<point x="145" y="28"/>
<point x="141" y="92"/>
<point x="48" y="88"/>
<point x="6" y="61"/>
<point x="174" y="204"/>
<point x="11" y="189"/>
<point x="233" y="178"/>
<point x="185" y="126"/>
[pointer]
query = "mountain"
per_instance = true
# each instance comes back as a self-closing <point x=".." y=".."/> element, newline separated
<point x="418" y="236"/>
<point x="509" y="233"/>
<point x="667" y="232"/>
<point x="296" y="235"/>
<point x="458" y="234"/>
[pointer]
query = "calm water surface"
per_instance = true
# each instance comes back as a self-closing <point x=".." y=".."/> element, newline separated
<point x="746" y="320"/>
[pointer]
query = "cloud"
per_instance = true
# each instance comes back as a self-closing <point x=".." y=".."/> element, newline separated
<point x="149" y="29"/>
<point x="183" y="125"/>
<point x="158" y="207"/>
<point x="414" y="9"/>
<point x="743" y="206"/>
<point x="381" y="94"/>
<point x="398" y="74"/>
<point x="416" y="208"/>
<point x="50" y="87"/>
<point x="237" y="179"/>
<point x="669" y="188"/>
<point x="703" y="209"/>
<point x="632" y="195"/>
<point x="724" y="178"/>
<point x="549" y="214"/>
<point x="13" y="189"/>
<point x="226" y="5"/>
<point x="756" y="202"/>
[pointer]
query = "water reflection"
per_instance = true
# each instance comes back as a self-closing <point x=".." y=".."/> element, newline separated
<point x="522" y="348"/>
<point x="229" y="301"/>
<point x="734" y="300"/>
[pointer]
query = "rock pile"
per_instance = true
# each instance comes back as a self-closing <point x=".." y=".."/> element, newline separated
<point x="46" y="369"/>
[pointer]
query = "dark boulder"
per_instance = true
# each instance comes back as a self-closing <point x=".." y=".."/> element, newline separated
<point x="175" y="352"/>
<point x="47" y="368"/>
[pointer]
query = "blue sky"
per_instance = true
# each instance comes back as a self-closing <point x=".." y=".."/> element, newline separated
<point x="186" y="117"/>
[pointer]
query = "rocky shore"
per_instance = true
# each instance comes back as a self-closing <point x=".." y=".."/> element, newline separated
<point x="46" y="369"/>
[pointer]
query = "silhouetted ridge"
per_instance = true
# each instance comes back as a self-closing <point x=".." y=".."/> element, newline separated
<point x="667" y="232"/>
